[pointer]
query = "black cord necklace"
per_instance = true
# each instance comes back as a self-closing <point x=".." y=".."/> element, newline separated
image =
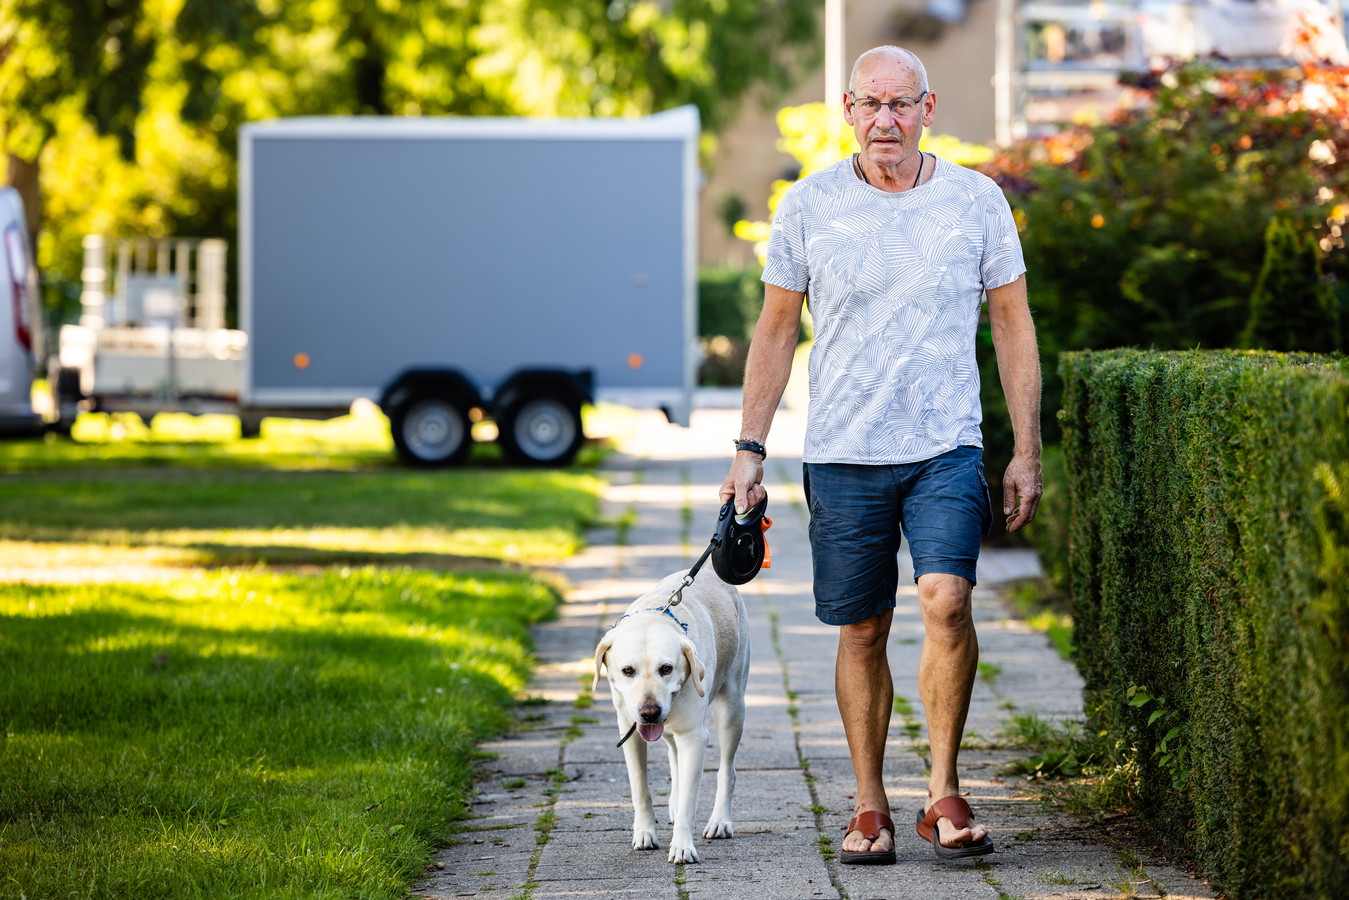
<point x="857" y="161"/>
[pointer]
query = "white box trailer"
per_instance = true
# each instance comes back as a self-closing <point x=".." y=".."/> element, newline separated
<point x="457" y="267"/>
<point x="449" y="269"/>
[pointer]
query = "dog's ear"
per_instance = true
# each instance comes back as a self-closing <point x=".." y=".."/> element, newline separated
<point x="696" y="670"/>
<point x="600" y="651"/>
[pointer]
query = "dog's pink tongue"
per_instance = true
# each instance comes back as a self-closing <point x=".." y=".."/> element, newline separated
<point x="650" y="732"/>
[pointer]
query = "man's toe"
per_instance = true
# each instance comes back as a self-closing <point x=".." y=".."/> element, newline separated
<point x="954" y="837"/>
<point x="862" y="844"/>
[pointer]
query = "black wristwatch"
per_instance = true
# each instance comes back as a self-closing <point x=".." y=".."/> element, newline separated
<point x="752" y="446"/>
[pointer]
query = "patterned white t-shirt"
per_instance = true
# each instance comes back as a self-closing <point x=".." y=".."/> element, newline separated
<point x="895" y="285"/>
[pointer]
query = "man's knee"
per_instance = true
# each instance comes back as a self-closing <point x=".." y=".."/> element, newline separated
<point x="945" y="602"/>
<point x="867" y="636"/>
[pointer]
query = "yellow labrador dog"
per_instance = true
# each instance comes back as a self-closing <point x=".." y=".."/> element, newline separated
<point x="666" y="668"/>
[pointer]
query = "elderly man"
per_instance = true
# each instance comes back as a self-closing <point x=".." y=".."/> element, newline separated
<point x="898" y="250"/>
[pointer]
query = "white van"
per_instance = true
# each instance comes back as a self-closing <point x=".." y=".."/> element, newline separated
<point x="20" y="320"/>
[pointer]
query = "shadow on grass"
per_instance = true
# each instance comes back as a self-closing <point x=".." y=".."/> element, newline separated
<point x="143" y="501"/>
<point x="293" y="720"/>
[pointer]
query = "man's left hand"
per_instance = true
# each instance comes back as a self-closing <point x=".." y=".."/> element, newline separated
<point x="1021" y="489"/>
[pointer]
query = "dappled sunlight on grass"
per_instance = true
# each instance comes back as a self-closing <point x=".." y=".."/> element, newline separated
<point x="170" y="731"/>
<point x="212" y="547"/>
<point x="360" y="440"/>
<point x="237" y="517"/>
<point x="257" y="668"/>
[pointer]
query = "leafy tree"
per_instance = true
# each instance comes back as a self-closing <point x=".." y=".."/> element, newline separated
<point x="170" y="81"/>
<point x="95" y="59"/>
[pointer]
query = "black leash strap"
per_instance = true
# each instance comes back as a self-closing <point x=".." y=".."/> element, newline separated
<point x="628" y="735"/>
<point x="678" y="596"/>
<point x="707" y="554"/>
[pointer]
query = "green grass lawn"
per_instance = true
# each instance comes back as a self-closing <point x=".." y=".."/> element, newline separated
<point x="276" y="685"/>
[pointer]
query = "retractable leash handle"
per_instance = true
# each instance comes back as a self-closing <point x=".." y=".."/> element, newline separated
<point x="738" y="549"/>
<point x="740" y="546"/>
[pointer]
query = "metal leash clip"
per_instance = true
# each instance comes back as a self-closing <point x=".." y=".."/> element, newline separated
<point x="678" y="596"/>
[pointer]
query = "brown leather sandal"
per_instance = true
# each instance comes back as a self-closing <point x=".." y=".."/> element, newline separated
<point x="959" y="812"/>
<point x="870" y="824"/>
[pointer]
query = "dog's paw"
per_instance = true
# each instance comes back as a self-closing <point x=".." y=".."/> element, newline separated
<point x="645" y="840"/>
<point x="722" y="829"/>
<point x="683" y="854"/>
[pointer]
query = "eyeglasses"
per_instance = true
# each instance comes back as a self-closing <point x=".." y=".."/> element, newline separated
<point x="870" y="106"/>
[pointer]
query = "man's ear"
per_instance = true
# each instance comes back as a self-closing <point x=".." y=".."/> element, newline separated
<point x="600" y="651"/>
<point x="696" y="670"/>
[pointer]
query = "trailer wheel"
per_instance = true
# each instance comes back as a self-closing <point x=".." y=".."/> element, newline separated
<point x="541" y="429"/>
<point x="430" y="431"/>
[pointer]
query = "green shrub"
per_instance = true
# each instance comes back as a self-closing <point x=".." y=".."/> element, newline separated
<point x="1209" y="534"/>
<point x="1049" y="532"/>
<point x="1148" y="229"/>
<point x="1293" y="307"/>
<point x="729" y="300"/>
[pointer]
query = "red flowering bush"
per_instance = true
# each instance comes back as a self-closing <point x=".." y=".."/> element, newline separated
<point x="1148" y="229"/>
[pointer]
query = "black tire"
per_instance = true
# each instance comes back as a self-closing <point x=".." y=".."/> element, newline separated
<point x="431" y="431"/>
<point x="68" y="387"/>
<point x="250" y="426"/>
<point x="68" y="393"/>
<point x="540" y="428"/>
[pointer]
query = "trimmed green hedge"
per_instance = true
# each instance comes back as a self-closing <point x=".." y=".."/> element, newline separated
<point x="1209" y="533"/>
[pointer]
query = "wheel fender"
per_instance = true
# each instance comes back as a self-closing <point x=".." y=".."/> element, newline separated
<point x="446" y="382"/>
<point x="576" y="386"/>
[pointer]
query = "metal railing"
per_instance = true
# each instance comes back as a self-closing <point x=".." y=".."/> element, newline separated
<point x="171" y="281"/>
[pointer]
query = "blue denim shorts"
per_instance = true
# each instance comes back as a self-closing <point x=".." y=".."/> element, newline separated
<point x="856" y="517"/>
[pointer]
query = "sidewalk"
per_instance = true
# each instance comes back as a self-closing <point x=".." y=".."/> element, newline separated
<point x="553" y="819"/>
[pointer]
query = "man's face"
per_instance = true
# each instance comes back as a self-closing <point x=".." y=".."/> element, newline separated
<point x="888" y="137"/>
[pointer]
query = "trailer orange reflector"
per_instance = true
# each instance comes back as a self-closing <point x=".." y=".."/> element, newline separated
<point x="635" y="360"/>
<point x="302" y="360"/>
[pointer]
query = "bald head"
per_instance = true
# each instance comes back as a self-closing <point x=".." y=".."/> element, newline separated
<point x="888" y="53"/>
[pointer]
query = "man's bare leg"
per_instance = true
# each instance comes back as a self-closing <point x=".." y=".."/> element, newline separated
<point x="865" y="695"/>
<point x="946" y="672"/>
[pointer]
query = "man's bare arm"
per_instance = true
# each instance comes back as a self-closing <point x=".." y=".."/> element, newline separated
<point x="1019" y="370"/>
<point x="767" y="369"/>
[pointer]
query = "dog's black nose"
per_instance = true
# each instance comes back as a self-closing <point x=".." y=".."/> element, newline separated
<point x="650" y="712"/>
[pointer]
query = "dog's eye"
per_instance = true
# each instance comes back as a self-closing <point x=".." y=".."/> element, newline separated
<point x="629" y="671"/>
<point x="666" y="669"/>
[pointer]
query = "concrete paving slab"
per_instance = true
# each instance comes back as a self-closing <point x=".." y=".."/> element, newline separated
<point x="561" y="779"/>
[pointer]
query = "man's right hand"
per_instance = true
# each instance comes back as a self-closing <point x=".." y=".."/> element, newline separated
<point x="744" y="481"/>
